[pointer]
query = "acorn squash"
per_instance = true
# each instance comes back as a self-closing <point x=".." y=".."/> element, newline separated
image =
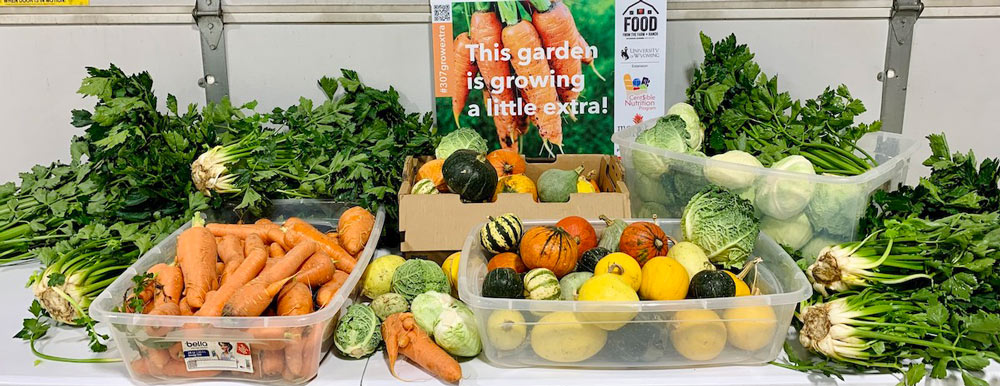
<point x="503" y="283"/>
<point x="468" y="174"/>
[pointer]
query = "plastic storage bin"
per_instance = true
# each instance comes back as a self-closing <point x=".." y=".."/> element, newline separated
<point x="803" y="212"/>
<point x="260" y="340"/>
<point x="742" y="330"/>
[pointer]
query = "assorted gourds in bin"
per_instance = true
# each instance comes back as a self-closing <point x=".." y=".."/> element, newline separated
<point x="463" y="166"/>
<point x="635" y="262"/>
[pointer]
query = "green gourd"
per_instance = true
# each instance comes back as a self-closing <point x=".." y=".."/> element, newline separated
<point x="542" y="284"/>
<point x="588" y="261"/>
<point x="503" y="283"/>
<point x="711" y="284"/>
<point x="467" y="173"/>
<point x="612" y="234"/>
<point x="424" y="186"/>
<point x="555" y="185"/>
<point x="501" y="234"/>
<point x="570" y="284"/>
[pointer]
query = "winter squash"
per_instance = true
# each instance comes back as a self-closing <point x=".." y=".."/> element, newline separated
<point x="503" y="283"/>
<point x="588" y="260"/>
<point x="541" y="284"/>
<point x="518" y="183"/>
<point x="424" y="186"/>
<point x="549" y="247"/>
<point x="468" y="174"/>
<point x="711" y="284"/>
<point x="556" y="185"/>
<point x="643" y="241"/>
<point x="587" y="184"/>
<point x="581" y="230"/>
<point x="506" y="162"/>
<point x="622" y="265"/>
<point x="501" y="234"/>
<point x="432" y="171"/>
<point x="612" y="234"/>
<point x="663" y="278"/>
<point x="507" y="260"/>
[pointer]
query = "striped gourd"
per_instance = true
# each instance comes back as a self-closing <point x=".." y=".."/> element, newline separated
<point x="424" y="186"/>
<point x="501" y="234"/>
<point x="542" y="284"/>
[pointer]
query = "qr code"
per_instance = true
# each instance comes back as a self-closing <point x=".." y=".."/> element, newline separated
<point x="442" y="13"/>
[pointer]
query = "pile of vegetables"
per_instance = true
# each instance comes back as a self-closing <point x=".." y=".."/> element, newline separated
<point x="248" y="270"/>
<point x="921" y="289"/>
<point x="136" y="172"/>
<point x="462" y="166"/>
<point x="628" y="263"/>
<point x="412" y="311"/>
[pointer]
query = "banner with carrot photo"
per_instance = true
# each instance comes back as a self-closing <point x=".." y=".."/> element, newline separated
<point x="544" y="77"/>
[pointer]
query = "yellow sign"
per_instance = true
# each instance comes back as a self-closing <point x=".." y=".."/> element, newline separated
<point x="26" y="3"/>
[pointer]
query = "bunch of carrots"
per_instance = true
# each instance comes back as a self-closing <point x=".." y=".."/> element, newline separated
<point x="510" y="25"/>
<point x="246" y="270"/>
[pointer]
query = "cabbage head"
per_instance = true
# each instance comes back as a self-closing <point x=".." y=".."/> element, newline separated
<point x="649" y="188"/>
<point x="359" y="332"/>
<point x="449" y="322"/>
<point x="729" y="177"/>
<point x="783" y="197"/>
<point x="668" y="134"/>
<point x="793" y="233"/>
<point x="389" y="303"/>
<point x="722" y="224"/>
<point x="835" y="208"/>
<point x="464" y="138"/>
<point x="696" y="130"/>
<point x="417" y="276"/>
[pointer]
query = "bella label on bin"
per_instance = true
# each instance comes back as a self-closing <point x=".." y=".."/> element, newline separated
<point x="210" y="355"/>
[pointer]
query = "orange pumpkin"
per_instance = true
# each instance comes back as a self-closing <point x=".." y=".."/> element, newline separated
<point x="549" y="247"/>
<point x="506" y="162"/>
<point x="518" y="183"/>
<point x="581" y="230"/>
<point x="644" y="241"/>
<point x="507" y="260"/>
<point x="432" y="171"/>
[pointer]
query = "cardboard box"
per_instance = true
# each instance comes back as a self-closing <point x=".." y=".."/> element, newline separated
<point x="433" y="224"/>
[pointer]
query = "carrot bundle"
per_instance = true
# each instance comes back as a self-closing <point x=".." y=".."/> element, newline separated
<point x="486" y="30"/>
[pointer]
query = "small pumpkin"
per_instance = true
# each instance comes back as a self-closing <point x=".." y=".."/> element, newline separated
<point x="588" y="260"/>
<point x="555" y="185"/>
<point x="587" y="184"/>
<point x="612" y="233"/>
<point x="506" y="162"/>
<point x="711" y="284"/>
<point x="541" y="284"/>
<point x="622" y="265"/>
<point x="549" y="247"/>
<point x="518" y="183"/>
<point x="581" y="230"/>
<point x="468" y="174"/>
<point x="432" y="171"/>
<point x="424" y="186"/>
<point x="663" y="278"/>
<point x="644" y="240"/>
<point x="503" y="283"/>
<point x="501" y="234"/>
<point x="507" y="260"/>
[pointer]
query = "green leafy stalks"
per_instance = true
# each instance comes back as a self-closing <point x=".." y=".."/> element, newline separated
<point x="743" y="109"/>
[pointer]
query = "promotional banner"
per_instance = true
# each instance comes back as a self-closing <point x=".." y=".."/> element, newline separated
<point x="548" y="76"/>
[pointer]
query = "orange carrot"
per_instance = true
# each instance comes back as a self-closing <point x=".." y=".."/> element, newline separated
<point x="140" y="366"/>
<point x="176" y="351"/>
<point x="272" y="338"/>
<point x="402" y="336"/>
<point x="246" y="272"/>
<point x="521" y="36"/>
<point x="463" y="68"/>
<point x="298" y="232"/>
<point x="353" y="229"/>
<point x="333" y="236"/>
<point x="263" y="221"/>
<point x="197" y="253"/>
<point x="231" y="253"/>
<point x="169" y="283"/>
<point x="177" y="368"/>
<point x="325" y="293"/>
<point x="310" y="354"/>
<point x="239" y="230"/>
<point x="316" y="271"/>
<point x="165" y="308"/>
<point x="485" y="29"/>
<point x="555" y="26"/>
<point x="295" y="299"/>
<point x="275" y="250"/>
<point x="293" y="356"/>
<point x="252" y="298"/>
<point x="253" y="241"/>
<point x="158" y="357"/>
<point x="185" y="307"/>
<point x="588" y="57"/>
<point x="288" y="265"/>
<point x="272" y="362"/>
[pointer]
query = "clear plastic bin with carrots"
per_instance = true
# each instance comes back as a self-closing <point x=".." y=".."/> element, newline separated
<point x="243" y="299"/>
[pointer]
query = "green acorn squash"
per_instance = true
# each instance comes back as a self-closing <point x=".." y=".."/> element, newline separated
<point x="711" y="284"/>
<point x="503" y="283"/>
<point x="589" y="260"/>
<point x="467" y="173"/>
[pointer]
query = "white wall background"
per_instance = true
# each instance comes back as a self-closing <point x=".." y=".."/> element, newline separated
<point x="952" y="87"/>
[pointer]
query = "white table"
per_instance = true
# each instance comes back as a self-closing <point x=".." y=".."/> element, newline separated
<point x="17" y="364"/>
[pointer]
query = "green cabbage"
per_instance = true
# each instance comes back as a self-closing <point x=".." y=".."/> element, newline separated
<point x="668" y="134"/>
<point x="389" y="303"/>
<point x="722" y="224"/>
<point x="728" y="177"/>
<point x="463" y="138"/>
<point x="793" y="233"/>
<point x="359" y="332"/>
<point x="696" y="130"/>
<point x="417" y="276"/>
<point x="783" y="197"/>
<point x="649" y="188"/>
<point x="835" y="208"/>
<point x="449" y="322"/>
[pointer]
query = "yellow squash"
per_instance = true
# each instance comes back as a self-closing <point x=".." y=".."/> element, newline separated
<point x="750" y="328"/>
<point x="560" y="337"/>
<point x="698" y="335"/>
<point x="663" y="278"/>
<point x="450" y="268"/>
<point x="506" y="329"/>
<point x="742" y="289"/>
<point x="622" y="265"/>
<point x="607" y="288"/>
<point x="516" y="183"/>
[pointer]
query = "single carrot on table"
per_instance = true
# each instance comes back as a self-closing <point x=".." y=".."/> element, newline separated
<point x="402" y="336"/>
<point x="197" y="254"/>
<point x="325" y="293"/>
